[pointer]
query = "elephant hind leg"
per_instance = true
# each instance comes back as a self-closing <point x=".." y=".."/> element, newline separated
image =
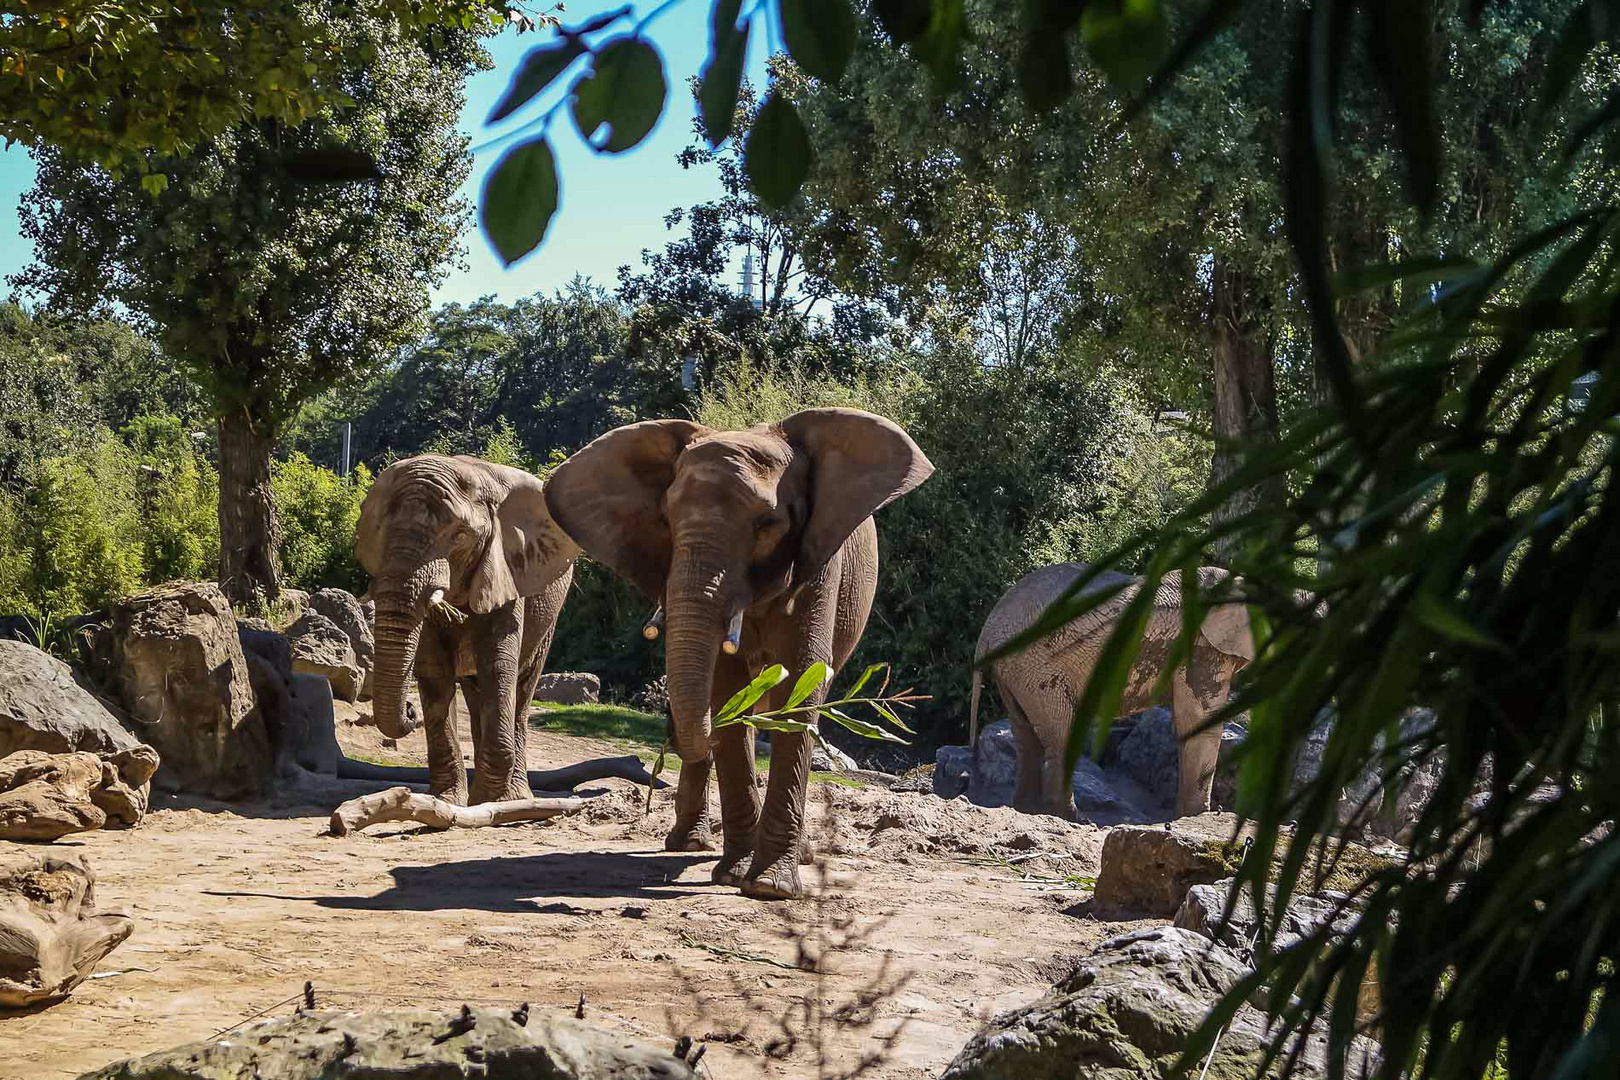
<point x="1199" y="750"/>
<point x="447" y="779"/>
<point x="1028" y="788"/>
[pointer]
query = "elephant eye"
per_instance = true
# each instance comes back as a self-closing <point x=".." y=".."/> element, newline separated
<point x="764" y="523"/>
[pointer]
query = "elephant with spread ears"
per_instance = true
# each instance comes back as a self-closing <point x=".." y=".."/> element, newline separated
<point x="759" y="547"/>
<point x="1041" y="685"/>
<point x="468" y="575"/>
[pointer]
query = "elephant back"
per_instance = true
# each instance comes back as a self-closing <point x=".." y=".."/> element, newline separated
<point x="1022" y="604"/>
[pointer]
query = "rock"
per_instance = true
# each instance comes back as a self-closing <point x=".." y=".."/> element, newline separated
<point x="311" y="734"/>
<point x="951" y="765"/>
<point x="1148" y="755"/>
<point x="349" y="615"/>
<point x="825" y="757"/>
<point x="1097" y="799"/>
<point x="292" y="602"/>
<point x="994" y="775"/>
<point x="46" y="796"/>
<point x="569" y="688"/>
<point x="1362" y="803"/>
<point x="42" y="707"/>
<point x="411" y="1044"/>
<point x="1223" y="792"/>
<point x="1147" y="869"/>
<point x="919" y="780"/>
<point x="53" y="937"/>
<point x="1126" y="1013"/>
<point x="185" y="680"/>
<point x="320" y="648"/>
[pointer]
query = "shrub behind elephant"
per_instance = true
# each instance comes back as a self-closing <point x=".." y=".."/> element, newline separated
<point x="472" y="543"/>
<point x="760" y="546"/>
<point x="1041" y="685"/>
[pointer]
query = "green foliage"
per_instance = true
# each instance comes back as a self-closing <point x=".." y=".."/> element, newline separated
<point x="121" y="82"/>
<point x="318" y="511"/>
<point x="178" y="493"/>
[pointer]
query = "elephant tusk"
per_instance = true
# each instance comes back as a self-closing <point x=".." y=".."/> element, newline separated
<point x="733" y="639"/>
<point x="654" y="624"/>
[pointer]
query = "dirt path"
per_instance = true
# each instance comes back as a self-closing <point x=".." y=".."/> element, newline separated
<point x="237" y="907"/>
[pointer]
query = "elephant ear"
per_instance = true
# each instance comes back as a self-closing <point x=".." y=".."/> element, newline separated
<point x="859" y="463"/>
<point x="371" y="533"/>
<point x="524" y="550"/>
<point x="608" y="498"/>
<point x="1227" y="628"/>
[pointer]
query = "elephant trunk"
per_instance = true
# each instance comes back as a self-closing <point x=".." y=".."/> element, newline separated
<point x="694" y="618"/>
<point x="402" y="604"/>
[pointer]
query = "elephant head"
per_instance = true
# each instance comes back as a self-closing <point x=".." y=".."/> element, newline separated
<point x="433" y="528"/>
<point x="712" y="523"/>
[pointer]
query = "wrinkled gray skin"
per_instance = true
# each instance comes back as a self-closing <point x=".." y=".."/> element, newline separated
<point x="478" y="537"/>
<point x="1041" y="685"/>
<point x="774" y="523"/>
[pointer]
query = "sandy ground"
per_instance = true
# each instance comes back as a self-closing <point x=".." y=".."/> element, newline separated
<point x="929" y="916"/>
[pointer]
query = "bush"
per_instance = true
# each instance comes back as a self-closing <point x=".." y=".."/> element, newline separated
<point x="318" y="510"/>
<point x="178" y="489"/>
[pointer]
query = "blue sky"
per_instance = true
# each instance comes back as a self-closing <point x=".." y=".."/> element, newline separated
<point x="612" y="205"/>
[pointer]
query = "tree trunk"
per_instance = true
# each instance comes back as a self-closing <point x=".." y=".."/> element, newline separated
<point x="249" y="535"/>
<point x="1245" y="415"/>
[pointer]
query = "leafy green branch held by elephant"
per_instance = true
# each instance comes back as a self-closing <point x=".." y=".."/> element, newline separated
<point x="1041" y="685"/>
<point x="759" y="546"/>
<point x="477" y="537"/>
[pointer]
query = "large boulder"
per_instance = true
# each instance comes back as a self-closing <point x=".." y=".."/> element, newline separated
<point x="1099" y="795"/>
<point x="42" y="707"/>
<point x="569" y="688"/>
<point x="411" y="1044"/>
<point x="310" y="737"/>
<point x="1146" y="870"/>
<point x="1149" y="756"/>
<point x="994" y="773"/>
<point x="46" y="796"/>
<point x="825" y="757"/>
<point x="185" y="680"/>
<point x="952" y="771"/>
<point x="53" y="938"/>
<point x="1099" y="798"/>
<point x="349" y="615"/>
<point x="319" y="647"/>
<point x="1127" y="1012"/>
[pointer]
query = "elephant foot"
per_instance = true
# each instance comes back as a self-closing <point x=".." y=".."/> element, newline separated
<point x="512" y="792"/>
<point x="694" y="837"/>
<point x="455" y="795"/>
<point x="728" y="871"/>
<point x="777" y="880"/>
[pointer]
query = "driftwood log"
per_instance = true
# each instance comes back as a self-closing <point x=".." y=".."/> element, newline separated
<point x="51" y="938"/>
<point x="629" y="767"/>
<point x="403" y="804"/>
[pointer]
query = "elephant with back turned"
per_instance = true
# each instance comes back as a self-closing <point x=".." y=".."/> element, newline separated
<point x="760" y="547"/>
<point x="1041" y="685"/>
<point x="476" y="537"/>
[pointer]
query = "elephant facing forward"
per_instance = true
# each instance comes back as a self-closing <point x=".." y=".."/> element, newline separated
<point x="760" y="547"/>
<point x="1041" y="685"/>
<point x="476" y="536"/>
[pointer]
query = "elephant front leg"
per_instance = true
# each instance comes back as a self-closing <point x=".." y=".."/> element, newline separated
<point x="734" y="760"/>
<point x="774" y="872"/>
<point x="447" y="778"/>
<point x="1192" y="703"/>
<point x="497" y="642"/>
<point x="692" y="831"/>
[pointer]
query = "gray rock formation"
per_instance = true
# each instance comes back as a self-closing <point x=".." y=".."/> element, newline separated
<point x="410" y="1044"/>
<point x="42" y="707"/>
<point x="1127" y="1013"/>
<point x="319" y="647"/>
<point x="569" y="688"/>
<point x="349" y="615"/>
<point x="825" y="757"/>
<point x="186" y="683"/>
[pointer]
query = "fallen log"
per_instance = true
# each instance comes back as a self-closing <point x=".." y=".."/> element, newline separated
<point x="51" y="938"/>
<point x="403" y="804"/>
<point x="629" y="767"/>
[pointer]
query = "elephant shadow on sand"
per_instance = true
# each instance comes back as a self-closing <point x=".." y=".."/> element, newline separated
<point x="525" y="883"/>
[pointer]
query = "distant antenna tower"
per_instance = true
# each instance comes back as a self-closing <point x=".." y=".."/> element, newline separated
<point x="748" y="277"/>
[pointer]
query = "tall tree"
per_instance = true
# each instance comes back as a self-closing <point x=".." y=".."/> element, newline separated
<point x="270" y="288"/>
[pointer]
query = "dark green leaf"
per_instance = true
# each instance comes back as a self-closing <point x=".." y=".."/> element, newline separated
<point x="939" y="46"/>
<point x="520" y="197"/>
<point x="862" y="728"/>
<point x="1417" y="272"/>
<point x="766" y="723"/>
<point x="1399" y="47"/>
<point x="539" y="68"/>
<point x="1043" y="70"/>
<point x="820" y="35"/>
<point x="722" y="79"/>
<point x="777" y="156"/>
<point x="1105" y="689"/>
<point x="1216" y="15"/>
<point x="330" y="165"/>
<point x="903" y="20"/>
<point x="1126" y="38"/>
<point x="815" y="676"/>
<point x="744" y="699"/>
<point x="1445" y="619"/>
<point x="890" y="715"/>
<point x="624" y="89"/>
